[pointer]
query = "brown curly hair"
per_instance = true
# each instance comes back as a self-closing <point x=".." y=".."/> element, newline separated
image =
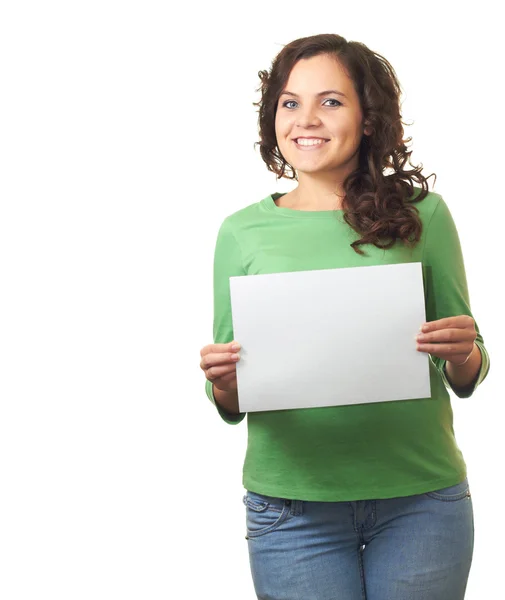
<point x="376" y="205"/>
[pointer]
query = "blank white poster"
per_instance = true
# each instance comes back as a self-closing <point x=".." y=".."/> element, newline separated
<point x="329" y="337"/>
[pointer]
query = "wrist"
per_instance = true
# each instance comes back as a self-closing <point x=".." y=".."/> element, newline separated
<point x="465" y="374"/>
<point x="466" y="359"/>
<point x="228" y="400"/>
<point x="472" y="353"/>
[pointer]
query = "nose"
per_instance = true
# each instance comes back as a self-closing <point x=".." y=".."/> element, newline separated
<point x="308" y="117"/>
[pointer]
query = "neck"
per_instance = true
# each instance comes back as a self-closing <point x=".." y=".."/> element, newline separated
<point x="318" y="194"/>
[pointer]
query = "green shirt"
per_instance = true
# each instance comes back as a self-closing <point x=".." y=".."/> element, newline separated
<point x="349" y="452"/>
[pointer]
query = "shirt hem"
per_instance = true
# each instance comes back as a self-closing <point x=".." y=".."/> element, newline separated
<point x="355" y="495"/>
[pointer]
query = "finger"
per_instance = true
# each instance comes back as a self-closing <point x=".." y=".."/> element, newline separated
<point x="446" y="351"/>
<point x="447" y="335"/>
<point x="228" y="377"/>
<point x="217" y="372"/>
<point x="456" y="359"/>
<point x="220" y="348"/>
<point x="211" y="360"/>
<point x="459" y="322"/>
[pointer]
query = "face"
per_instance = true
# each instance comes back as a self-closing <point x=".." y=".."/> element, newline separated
<point x="333" y="118"/>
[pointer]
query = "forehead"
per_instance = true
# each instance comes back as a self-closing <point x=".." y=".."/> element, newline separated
<point x="318" y="73"/>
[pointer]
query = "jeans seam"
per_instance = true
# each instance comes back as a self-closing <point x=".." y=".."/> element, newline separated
<point x="449" y="498"/>
<point x="283" y="515"/>
<point x="361" y="572"/>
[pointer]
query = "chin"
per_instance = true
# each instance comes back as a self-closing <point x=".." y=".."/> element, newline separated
<point x="306" y="167"/>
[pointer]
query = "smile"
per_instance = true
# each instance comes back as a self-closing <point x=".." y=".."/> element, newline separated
<point x="310" y="144"/>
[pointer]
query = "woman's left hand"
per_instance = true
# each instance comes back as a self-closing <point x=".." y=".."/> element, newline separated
<point x="451" y="338"/>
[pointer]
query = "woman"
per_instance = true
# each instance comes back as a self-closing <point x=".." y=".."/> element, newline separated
<point x="356" y="501"/>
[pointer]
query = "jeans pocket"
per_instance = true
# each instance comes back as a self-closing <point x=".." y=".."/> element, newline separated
<point x="452" y="493"/>
<point x="264" y="513"/>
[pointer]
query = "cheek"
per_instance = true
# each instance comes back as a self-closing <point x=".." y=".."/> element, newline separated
<point x="282" y="135"/>
<point x="277" y="127"/>
<point x="280" y="126"/>
<point x="347" y="132"/>
<point x="284" y="121"/>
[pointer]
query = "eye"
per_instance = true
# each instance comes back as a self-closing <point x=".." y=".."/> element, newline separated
<point x="334" y="100"/>
<point x="288" y="102"/>
<point x="337" y="103"/>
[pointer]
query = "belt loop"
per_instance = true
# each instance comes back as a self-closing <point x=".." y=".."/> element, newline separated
<point x="296" y="507"/>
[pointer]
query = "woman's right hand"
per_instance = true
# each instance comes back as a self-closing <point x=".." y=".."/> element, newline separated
<point x="219" y="365"/>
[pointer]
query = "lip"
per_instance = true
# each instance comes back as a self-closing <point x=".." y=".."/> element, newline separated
<point x="309" y="137"/>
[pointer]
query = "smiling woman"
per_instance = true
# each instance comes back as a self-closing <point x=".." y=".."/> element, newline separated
<point x="342" y="92"/>
<point x="365" y="500"/>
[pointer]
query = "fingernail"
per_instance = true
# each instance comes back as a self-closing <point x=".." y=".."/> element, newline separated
<point x="235" y="356"/>
<point x="235" y="347"/>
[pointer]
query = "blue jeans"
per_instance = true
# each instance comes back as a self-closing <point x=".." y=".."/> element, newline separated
<point x="412" y="548"/>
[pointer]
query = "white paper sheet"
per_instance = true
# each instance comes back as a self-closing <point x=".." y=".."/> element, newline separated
<point x="329" y="337"/>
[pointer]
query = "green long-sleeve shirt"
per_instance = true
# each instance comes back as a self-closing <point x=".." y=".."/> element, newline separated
<point x="349" y="452"/>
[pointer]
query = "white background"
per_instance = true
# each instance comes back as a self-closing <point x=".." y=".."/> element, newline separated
<point x="127" y="136"/>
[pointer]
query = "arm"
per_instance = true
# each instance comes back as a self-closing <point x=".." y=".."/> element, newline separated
<point x="447" y="296"/>
<point x="227" y="263"/>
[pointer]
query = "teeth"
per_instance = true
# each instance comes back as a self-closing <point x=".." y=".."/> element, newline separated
<point x="303" y="142"/>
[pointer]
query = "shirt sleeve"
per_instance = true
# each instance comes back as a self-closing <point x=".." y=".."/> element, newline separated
<point x="446" y="287"/>
<point x="227" y="263"/>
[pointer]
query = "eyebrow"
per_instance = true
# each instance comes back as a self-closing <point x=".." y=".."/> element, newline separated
<point x="320" y="93"/>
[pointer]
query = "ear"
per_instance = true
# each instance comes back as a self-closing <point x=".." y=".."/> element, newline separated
<point x="368" y="129"/>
